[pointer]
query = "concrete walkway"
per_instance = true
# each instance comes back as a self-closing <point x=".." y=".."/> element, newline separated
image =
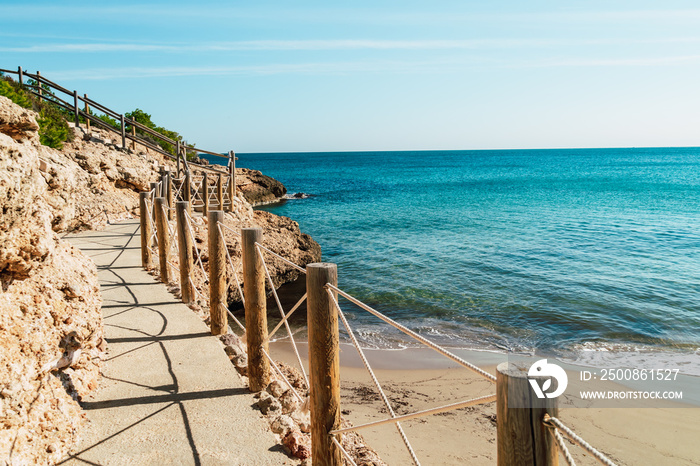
<point x="169" y="394"/>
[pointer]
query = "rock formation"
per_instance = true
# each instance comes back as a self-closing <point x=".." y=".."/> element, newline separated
<point x="50" y="320"/>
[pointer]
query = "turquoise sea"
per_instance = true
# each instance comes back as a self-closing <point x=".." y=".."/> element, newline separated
<point x="552" y="251"/>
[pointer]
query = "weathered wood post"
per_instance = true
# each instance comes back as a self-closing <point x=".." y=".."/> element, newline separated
<point x="76" y="109"/>
<point x="217" y="275"/>
<point x="122" y="123"/>
<point x="220" y="191"/>
<point x="171" y="196"/>
<point x="87" y="112"/>
<point x="154" y="189"/>
<point x="133" y="134"/>
<point x="205" y="193"/>
<point x="324" y="363"/>
<point x="231" y="178"/>
<point x="522" y="438"/>
<point x="41" y="89"/>
<point x="184" y="242"/>
<point x="187" y="191"/>
<point x="255" y="310"/>
<point x="163" y="238"/>
<point x="146" y="231"/>
<point x="20" y="75"/>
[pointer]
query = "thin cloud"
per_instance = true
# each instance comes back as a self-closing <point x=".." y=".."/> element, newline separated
<point x="442" y="65"/>
<point x="335" y="45"/>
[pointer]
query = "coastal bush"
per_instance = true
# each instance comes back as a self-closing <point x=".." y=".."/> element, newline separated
<point x="53" y="127"/>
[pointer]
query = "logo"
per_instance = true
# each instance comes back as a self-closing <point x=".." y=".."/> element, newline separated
<point x="542" y="369"/>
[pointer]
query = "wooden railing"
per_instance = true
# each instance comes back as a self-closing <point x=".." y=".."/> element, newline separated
<point x="80" y="108"/>
<point x="528" y="429"/>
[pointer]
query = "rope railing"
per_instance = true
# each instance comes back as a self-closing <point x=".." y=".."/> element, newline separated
<point x="414" y="335"/>
<point x="332" y="432"/>
<point x="377" y="385"/>
<point x="284" y="319"/>
<point x="230" y="261"/>
<point x="562" y="446"/>
<point x="555" y="423"/>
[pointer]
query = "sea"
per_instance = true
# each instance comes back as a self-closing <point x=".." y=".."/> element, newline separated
<point x="559" y="252"/>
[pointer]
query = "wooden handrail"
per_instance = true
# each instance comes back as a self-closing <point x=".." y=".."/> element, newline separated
<point x="54" y="99"/>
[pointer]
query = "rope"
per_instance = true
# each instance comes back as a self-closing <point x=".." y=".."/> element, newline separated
<point x="154" y="237"/>
<point x="286" y="324"/>
<point x="417" y="414"/>
<point x="562" y="446"/>
<point x="195" y="288"/>
<point x="230" y="229"/>
<point x="554" y="422"/>
<point x="194" y="243"/>
<point x="414" y="335"/>
<point x="279" y="372"/>
<point x="345" y="453"/>
<point x="299" y="268"/>
<point x="238" y="322"/>
<point x="281" y="322"/>
<point x="374" y="378"/>
<point x="230" y="261"/>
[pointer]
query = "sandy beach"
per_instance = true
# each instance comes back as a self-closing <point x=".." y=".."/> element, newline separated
<point x="417" y="379"/>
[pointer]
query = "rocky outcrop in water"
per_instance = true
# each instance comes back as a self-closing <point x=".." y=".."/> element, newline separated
<point x="258" y="188"/>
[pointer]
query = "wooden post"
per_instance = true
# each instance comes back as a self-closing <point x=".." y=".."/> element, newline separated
<point x="255" y="310"/>
<point x="76" y="109"/>
<point x="133" y="134"/>
<point x="163" y="238"/>
<point x="20" y="75"/>
<point x="184" y="241"/>
<point x="146" y="231"/>
<point x="164" y="183"/>
<point x="177" y="157"/>
<point x="87" y="112"/>
<point x="324" y="363"/>
<point x="187" y="191"/>
<point x="171" y="196"/>
<point x="41" y="89"/>
<point x="522" y="438"/>
<point x="220" y="191"/>
<point x="231" y="178"/>
<point x="123" y="123"/>
<point x="205" y="193"/>
<point x="154" y="188"/>
<point x="217" y="276"/>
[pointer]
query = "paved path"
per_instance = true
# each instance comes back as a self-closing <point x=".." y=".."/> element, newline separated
<point x="169" y="394"/>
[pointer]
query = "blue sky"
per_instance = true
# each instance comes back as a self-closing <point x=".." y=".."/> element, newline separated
<point x="377" y="75"/>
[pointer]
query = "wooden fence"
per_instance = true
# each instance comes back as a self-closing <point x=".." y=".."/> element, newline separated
<point x="525" y="435"/>
<point x="82" y="108"/>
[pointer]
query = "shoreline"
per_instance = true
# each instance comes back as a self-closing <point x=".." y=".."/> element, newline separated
<point x="415" y="379"/>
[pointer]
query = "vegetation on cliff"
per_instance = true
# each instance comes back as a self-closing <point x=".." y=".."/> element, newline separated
<point x="53" y="128"/>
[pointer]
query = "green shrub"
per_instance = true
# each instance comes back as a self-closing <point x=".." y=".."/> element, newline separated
<point x="53" y="128"/>
<point x="15" y="94"/>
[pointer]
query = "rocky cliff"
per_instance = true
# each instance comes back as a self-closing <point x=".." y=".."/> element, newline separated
<point x="50" y="320"/>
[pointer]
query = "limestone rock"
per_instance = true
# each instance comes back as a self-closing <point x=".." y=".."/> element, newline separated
<point x="289" y="402"/>
<point x="17" y="122"/>
<point x="276" y="388"/>
<point x="268" y="404"/>
<point x="282" y="425"/>
<point x="299" y="444"/>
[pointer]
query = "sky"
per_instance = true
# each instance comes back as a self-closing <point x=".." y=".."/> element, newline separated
<point x="280" y="76"/>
